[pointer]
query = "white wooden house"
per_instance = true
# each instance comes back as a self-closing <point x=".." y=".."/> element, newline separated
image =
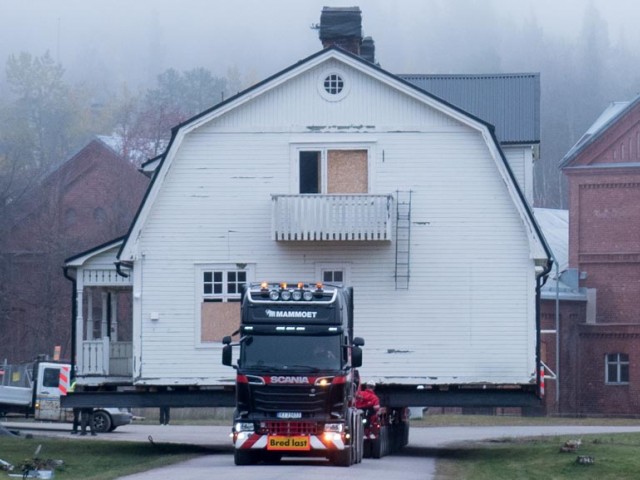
<point x="331" y="170"/>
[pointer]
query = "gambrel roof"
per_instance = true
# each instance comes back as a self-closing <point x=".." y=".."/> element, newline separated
<point x="537" y="244"/>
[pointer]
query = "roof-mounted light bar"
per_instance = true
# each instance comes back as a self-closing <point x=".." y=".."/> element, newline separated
<point x="295" y="292"/>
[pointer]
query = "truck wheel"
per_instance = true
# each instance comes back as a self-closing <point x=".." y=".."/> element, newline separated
<point x="101" y="421"/>
<point x="243" y="457"/>
<point x="342" y="458"/>
<point x="359" y="439"/>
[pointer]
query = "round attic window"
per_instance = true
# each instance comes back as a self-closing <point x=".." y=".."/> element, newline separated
<point x="333" y="85"/>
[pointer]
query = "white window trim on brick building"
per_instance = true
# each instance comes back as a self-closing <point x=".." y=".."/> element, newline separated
<point x="619" y="361"/>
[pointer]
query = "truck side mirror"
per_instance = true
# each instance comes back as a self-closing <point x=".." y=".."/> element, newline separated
<point x="227" y="354"/>
<point x="358" y="342"/>
<point x="356" y="357"/>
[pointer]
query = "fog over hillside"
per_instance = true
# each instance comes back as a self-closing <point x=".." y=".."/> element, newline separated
<point x="586" y="51"/>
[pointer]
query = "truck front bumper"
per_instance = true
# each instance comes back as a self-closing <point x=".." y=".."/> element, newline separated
<point x="307" y="444"/>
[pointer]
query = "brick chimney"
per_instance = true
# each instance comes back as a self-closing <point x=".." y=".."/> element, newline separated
<point x="368" y="49"/>
<point x="341" y="27"/>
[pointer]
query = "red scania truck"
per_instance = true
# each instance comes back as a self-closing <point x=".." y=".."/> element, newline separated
<point x="296" y="376"/>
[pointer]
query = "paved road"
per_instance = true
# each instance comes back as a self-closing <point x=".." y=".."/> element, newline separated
<point x="417" y="461"/>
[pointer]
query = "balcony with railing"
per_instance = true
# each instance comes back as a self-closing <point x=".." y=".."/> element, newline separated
<point x="314" y="217"/>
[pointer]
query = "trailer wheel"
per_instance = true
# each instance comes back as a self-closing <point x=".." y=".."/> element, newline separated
<point x="101" y="421"/>
<point x="366" y="449"/>
<point x="243" y="457"/>
<point x="378" y="444"/>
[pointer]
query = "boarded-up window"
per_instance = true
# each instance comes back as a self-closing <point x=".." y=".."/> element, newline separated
<point x="219" y="319"/>
<point x="347" y="171"/>
<point x="220" y="307"/>
<point x="333" y="171"/>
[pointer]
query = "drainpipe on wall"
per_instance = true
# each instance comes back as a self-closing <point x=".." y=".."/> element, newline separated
<point x="539" y="284"/>
<point x="557" y="322"/>
<point x="74" y="314"/>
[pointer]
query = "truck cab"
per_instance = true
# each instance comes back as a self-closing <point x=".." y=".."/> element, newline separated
<point x="51" y="381"/>
<point x="295" y="382"/>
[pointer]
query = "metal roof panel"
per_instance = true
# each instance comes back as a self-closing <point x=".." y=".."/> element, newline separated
<point x="510" y="102"/>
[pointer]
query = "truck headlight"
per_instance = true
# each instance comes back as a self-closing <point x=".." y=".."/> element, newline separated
<point x="244" y="427"/>
<point x="334" y="427"/>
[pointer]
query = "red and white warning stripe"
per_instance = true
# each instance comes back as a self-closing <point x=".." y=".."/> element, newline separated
<point x="255" y="441"/>
<point x="63" y="383"/>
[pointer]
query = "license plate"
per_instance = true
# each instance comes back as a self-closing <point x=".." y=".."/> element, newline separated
<point x="288" y="443"/>
<point x="289" y="414"/>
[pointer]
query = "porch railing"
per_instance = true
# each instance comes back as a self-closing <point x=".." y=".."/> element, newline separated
<point x="101" y="357"/>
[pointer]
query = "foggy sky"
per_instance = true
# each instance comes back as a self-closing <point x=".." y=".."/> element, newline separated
<point x="131" y="41"/>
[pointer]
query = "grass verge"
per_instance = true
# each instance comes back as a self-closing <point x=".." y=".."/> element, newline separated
<point x="96" y="459"/>
<point x="615" y="457"/>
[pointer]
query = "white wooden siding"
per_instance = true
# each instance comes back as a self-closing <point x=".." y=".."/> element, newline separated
<point x="296" y="106"/>
<point x="520" y="159"/>
<point x="469" y="313"/>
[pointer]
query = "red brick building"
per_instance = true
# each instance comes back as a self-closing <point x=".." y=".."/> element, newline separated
<point x="90" y="199"/>
<point x="600" y="341"/>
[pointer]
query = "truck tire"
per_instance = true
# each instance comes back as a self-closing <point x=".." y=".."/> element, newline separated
<point x="243" y="457"/>
<point x="101" y="421"/>
<point x="359" y="438"/>
<point x="343" y="458"/>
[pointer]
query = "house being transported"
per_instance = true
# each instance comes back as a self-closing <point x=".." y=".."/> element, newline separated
<point x="332" y="170"/>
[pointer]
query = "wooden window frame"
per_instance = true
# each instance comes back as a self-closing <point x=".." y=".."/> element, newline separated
<point x="222" y="296"/>
<point x="345" y="268"/>
<point x="324" y="150"/>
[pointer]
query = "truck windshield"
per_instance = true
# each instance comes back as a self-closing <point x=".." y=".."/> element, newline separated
<point x="289" y="352"/>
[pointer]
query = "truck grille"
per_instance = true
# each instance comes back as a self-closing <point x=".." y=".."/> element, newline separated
<point x="290" y="428"/>
<point x="307" y="399"/>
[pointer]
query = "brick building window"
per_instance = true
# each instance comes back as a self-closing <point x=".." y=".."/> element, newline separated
<point x="617" y="368"/>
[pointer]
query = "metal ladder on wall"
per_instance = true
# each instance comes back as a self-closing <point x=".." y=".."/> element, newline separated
<point x="403" y="239"/>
